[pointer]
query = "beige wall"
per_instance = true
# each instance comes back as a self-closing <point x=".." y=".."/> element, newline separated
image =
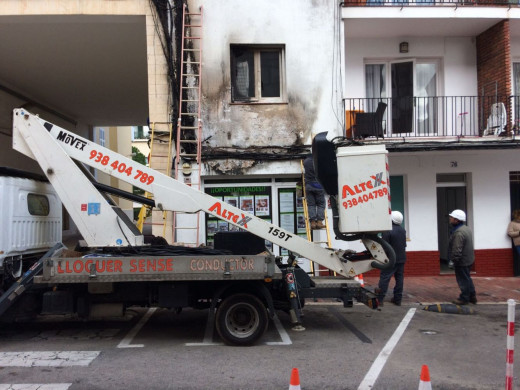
<point x="157" y="80"/>
<point x="142" y="145"/>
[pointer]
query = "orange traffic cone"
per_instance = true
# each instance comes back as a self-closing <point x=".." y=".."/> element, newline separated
<point x="360" y="280"/>
<point x="295" y="380"/>
<point x="424" y="383"/>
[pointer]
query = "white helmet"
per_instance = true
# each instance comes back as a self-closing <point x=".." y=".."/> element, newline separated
<point x="397" y="217"/>
<point x="458" y="214"/>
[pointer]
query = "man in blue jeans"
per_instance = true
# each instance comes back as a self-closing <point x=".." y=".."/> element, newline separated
<point x="397" y="239"/>
<point x="460" y="251"/>
<point x="314" y="195"/>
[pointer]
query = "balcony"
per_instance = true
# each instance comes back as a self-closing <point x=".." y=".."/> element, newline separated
<point x="438" y="118"/>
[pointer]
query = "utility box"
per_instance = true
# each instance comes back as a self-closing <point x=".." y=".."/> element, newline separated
<point x="363" y="189"/>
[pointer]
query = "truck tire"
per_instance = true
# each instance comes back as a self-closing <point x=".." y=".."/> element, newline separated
<point x="241" y="319"/>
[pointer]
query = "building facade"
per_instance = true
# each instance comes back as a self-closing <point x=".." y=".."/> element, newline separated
<point x="448" y="74"/>
<point x="441" y="79"/>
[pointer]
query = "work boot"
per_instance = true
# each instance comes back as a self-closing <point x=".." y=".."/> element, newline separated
<point x="380" y="296"/>
<point x="313" y="225"/>
<point x="320" y="225"/>
<point x="397" y="303"/>
<point x="459" y="302"/>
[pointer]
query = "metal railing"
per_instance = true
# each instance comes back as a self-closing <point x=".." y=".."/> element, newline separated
<point x="434" y="116"/>
<point x="434" y="3"/>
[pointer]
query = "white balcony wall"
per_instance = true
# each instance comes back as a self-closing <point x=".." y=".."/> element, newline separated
<point x="487" y="189"/>
<point x="487" y="194"/>
<point x="458" y="69"/>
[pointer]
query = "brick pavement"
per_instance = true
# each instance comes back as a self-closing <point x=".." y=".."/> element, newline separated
<point x="444" y="289"/>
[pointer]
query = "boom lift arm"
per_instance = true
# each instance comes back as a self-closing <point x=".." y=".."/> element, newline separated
<point x="103" y="225"/>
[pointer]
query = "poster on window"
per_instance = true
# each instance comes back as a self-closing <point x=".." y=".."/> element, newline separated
<point x="261" y="205"/>
<point x="287" y="221"/>
<point x="231" y="200"/>
<point x="212" y="227"/>
<point x="222" y="226"/>
<point x="299" y="204"/>
<point x="246" y="204"/>
<point x="233" y="228"/>
<point x="286" y="202"/>
<point x="300" y="223"/>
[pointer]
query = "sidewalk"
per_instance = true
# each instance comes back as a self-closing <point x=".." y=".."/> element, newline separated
<point x="444" y="289"/>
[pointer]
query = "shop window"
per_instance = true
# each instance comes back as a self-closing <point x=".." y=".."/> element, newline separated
<point x="291" y="214"/>
<point x="102" y="136"/>
<point x="254" y="200"/>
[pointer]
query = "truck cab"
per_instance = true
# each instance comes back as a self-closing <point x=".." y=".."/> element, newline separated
<point x="31" y="220"/>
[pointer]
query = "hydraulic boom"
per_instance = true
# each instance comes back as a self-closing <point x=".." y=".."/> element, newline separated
<point x="103" y="225"/>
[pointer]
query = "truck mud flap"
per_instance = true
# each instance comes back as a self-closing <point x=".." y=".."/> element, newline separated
<point x="25" y="282"/>
<point x="368" y="298"/>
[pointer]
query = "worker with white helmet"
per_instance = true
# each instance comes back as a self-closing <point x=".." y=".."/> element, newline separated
<point x="460" y="251"/>
<point x="397" y="239"/>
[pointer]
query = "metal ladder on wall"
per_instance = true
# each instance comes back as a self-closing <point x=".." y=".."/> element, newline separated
<point x="309" y="231"/>
<point x="189" y="126"/>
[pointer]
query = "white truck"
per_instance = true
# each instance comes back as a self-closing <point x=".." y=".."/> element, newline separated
<point x="31" y="220"/>
<point x="242" y="289"/>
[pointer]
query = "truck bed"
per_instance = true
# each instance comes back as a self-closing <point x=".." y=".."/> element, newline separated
<point x="95" y="268"/>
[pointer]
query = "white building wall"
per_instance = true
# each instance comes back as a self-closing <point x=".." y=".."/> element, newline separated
<point x="458" y="68"/>
<point x="487" y="193"/>
<point x="306" y="29"/>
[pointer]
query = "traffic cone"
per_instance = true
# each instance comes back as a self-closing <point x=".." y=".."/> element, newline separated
<point x="295" y="380"/>
<point x="360" y="280"/>
<point x="424" y="383"/>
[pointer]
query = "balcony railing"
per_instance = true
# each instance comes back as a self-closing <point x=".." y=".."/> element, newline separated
<point x="433" y="116"/>
<point x="436" y="3"/>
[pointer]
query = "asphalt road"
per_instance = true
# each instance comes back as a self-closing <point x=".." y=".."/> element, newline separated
<point x="341" y="348"/>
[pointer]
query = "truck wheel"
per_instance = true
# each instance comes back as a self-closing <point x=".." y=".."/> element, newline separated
<point x="241" y="319"/>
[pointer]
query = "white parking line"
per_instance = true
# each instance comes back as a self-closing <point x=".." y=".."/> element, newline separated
<point x="286" y="340"/>
<point x="372" y="374"/>
<point x="35" y="386"/>
<point x="47" y="358"/>
<point x="125" y="343"/>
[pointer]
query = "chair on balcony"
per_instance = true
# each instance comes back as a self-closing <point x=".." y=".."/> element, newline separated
<point x="497" y="120"/>
<point x="370" y="124"/>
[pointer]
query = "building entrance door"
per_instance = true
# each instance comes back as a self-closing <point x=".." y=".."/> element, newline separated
<point x="450" y="196"/>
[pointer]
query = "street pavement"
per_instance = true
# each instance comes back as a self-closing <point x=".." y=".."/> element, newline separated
<point x="444" y="289"/>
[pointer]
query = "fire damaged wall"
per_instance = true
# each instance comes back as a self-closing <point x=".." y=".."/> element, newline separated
<point x="244" y="125"/>
<point x="267" y="130"/>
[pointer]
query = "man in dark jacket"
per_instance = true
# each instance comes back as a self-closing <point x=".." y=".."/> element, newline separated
<point x="460" y="251"/>
<point x="397" y="239"/>
<point x="315" y="195"/>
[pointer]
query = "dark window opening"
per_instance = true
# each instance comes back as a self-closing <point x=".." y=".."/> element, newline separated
<point x="38" y="205"/>
<point x="256" y="74"/>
